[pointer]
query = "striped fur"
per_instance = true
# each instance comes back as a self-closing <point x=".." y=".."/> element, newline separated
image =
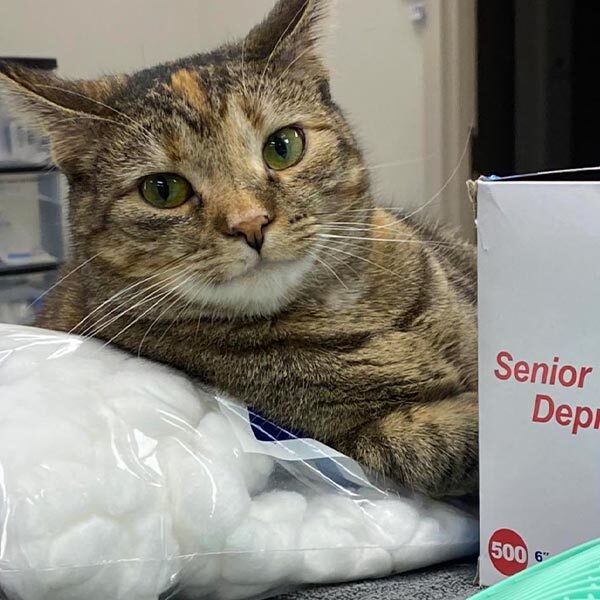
<point x="355" y="325"/>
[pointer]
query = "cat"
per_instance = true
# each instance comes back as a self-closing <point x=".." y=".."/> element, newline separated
<point x="223" y="222"/>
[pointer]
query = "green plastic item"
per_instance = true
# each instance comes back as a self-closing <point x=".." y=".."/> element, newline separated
<point x="572" y="575"/>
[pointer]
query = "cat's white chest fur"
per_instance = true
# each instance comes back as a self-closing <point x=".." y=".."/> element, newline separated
<point x="260" y="292"/>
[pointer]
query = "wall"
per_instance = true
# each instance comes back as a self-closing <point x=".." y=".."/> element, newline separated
<point x="380" y="68"/>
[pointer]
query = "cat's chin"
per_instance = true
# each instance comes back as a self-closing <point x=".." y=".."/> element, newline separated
<point x="262" y="290"/>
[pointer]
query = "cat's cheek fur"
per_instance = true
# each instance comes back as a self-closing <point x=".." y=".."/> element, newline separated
<point x="262" y="291"/>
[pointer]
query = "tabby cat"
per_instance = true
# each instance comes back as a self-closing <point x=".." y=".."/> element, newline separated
<point x="222" y="222"/>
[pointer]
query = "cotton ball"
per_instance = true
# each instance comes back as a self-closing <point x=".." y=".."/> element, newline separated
<point x="51" y="497"/>
<point x="436" y="522"/>
<point x="109" y="558"/>
<point x="326" y="561"/>
<point x="87" y="374"/>
<point x="337" y="541"/>
<point x="120" y="492"/>
<point x="279" y="506"/>
<point x="58" y="493"/>
<point x="393" y="521"/>
<point x="208" y="500"/>
<point x="149" y="414"/>
<point x="156" y="551"/>
<point x="27" y="585"/>
<point x="68" y="564"/>
<point x="263" y="548"/>
<point x="24" y="350"/>
<point x="38" y="422"/>
<point x="48" y="423"/>
<point x="256" y="470"/>
<point x="155" y="389"/>
<point x="441" y="528"/>
<point x="455" y="523"/>
<point x="15" y="365"/>
<point x="216" y="437"/>
<point x="102" y="582"/>
<point x="342" y="512"/>
<point x="222" y="441"/>
<point x="348" y="560"/>
<point x="26" y="443"/>
<point x="208" y="497"/>
<point x="199" y="574"/>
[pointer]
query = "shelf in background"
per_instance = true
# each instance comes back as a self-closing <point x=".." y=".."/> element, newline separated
<point x="28" y="269"/>
<point x="9" y="170"/>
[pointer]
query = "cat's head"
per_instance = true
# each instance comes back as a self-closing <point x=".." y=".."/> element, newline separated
<point x="216" y="175"/>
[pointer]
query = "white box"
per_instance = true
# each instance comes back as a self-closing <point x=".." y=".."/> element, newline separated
<point x="539" y="367"/>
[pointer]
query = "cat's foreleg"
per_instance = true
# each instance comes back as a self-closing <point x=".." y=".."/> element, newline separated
<point x="430" y="447"/>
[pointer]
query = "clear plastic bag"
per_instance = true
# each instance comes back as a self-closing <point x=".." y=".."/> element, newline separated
<point x="123" y="479"/>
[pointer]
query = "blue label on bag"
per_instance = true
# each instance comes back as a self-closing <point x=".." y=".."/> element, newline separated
<point x="266" y="431"/>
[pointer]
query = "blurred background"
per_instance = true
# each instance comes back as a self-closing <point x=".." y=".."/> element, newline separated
<point x="439" y="91"/>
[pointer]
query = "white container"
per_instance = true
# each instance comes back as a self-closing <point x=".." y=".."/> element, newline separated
<point x="539" y="373"/>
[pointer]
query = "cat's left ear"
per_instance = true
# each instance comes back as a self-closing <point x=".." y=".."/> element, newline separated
<point x="68" y="112"/>
<point x="289" y="36"/>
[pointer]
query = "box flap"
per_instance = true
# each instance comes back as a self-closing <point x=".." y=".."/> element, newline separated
<point x="583" y="174"/>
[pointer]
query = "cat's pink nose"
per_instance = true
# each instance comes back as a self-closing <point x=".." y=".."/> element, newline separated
<point x="251" y="227"/>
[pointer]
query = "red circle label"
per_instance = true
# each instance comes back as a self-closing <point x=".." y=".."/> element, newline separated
<point x="508" y="552"/>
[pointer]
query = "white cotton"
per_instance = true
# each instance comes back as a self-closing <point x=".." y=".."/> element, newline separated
<point x="272" y="531"/>
<point x="338" y="533"/>
<point x="392" y="522"/>
<point x="217" y="438"/>
<point x="123" y="479"/>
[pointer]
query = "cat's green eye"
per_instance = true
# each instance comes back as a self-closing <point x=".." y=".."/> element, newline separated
<point x="166" y="190"/>
<point x="284" y="148"/>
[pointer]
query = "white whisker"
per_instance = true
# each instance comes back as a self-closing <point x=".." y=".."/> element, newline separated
<point x="448" y="181"/>
<point x="62" y="279"/>
<point x="123" y="291"/>
<point x="142" y="315"/>
<point x="154" y="322"/>
<point x="106" y="321"/>
<point x="400" y="163"/>
<point x="177" y="316"/>
<point x="327" y="266"/>
<point x="392" y="240"/>
<point x="350" y="254"/>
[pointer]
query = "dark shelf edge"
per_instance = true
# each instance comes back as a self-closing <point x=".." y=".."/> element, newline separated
<point x="29" y="269"/>
<point x="28" y="169"/>
<point x="32" y="62"/>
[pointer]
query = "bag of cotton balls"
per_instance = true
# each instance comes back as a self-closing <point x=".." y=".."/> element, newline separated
<point x="123" y="479"/>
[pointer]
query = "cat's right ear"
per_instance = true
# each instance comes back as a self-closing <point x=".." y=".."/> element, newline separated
<point x="289" y="37"/>
<point x="68" y="112"/>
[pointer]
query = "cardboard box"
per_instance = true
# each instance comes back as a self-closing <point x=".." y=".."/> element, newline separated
<point x="539" y="373"/>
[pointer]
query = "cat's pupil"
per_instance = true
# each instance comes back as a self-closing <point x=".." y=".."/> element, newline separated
<point x="281" y="147"/>
<point x="162" y="187"/>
